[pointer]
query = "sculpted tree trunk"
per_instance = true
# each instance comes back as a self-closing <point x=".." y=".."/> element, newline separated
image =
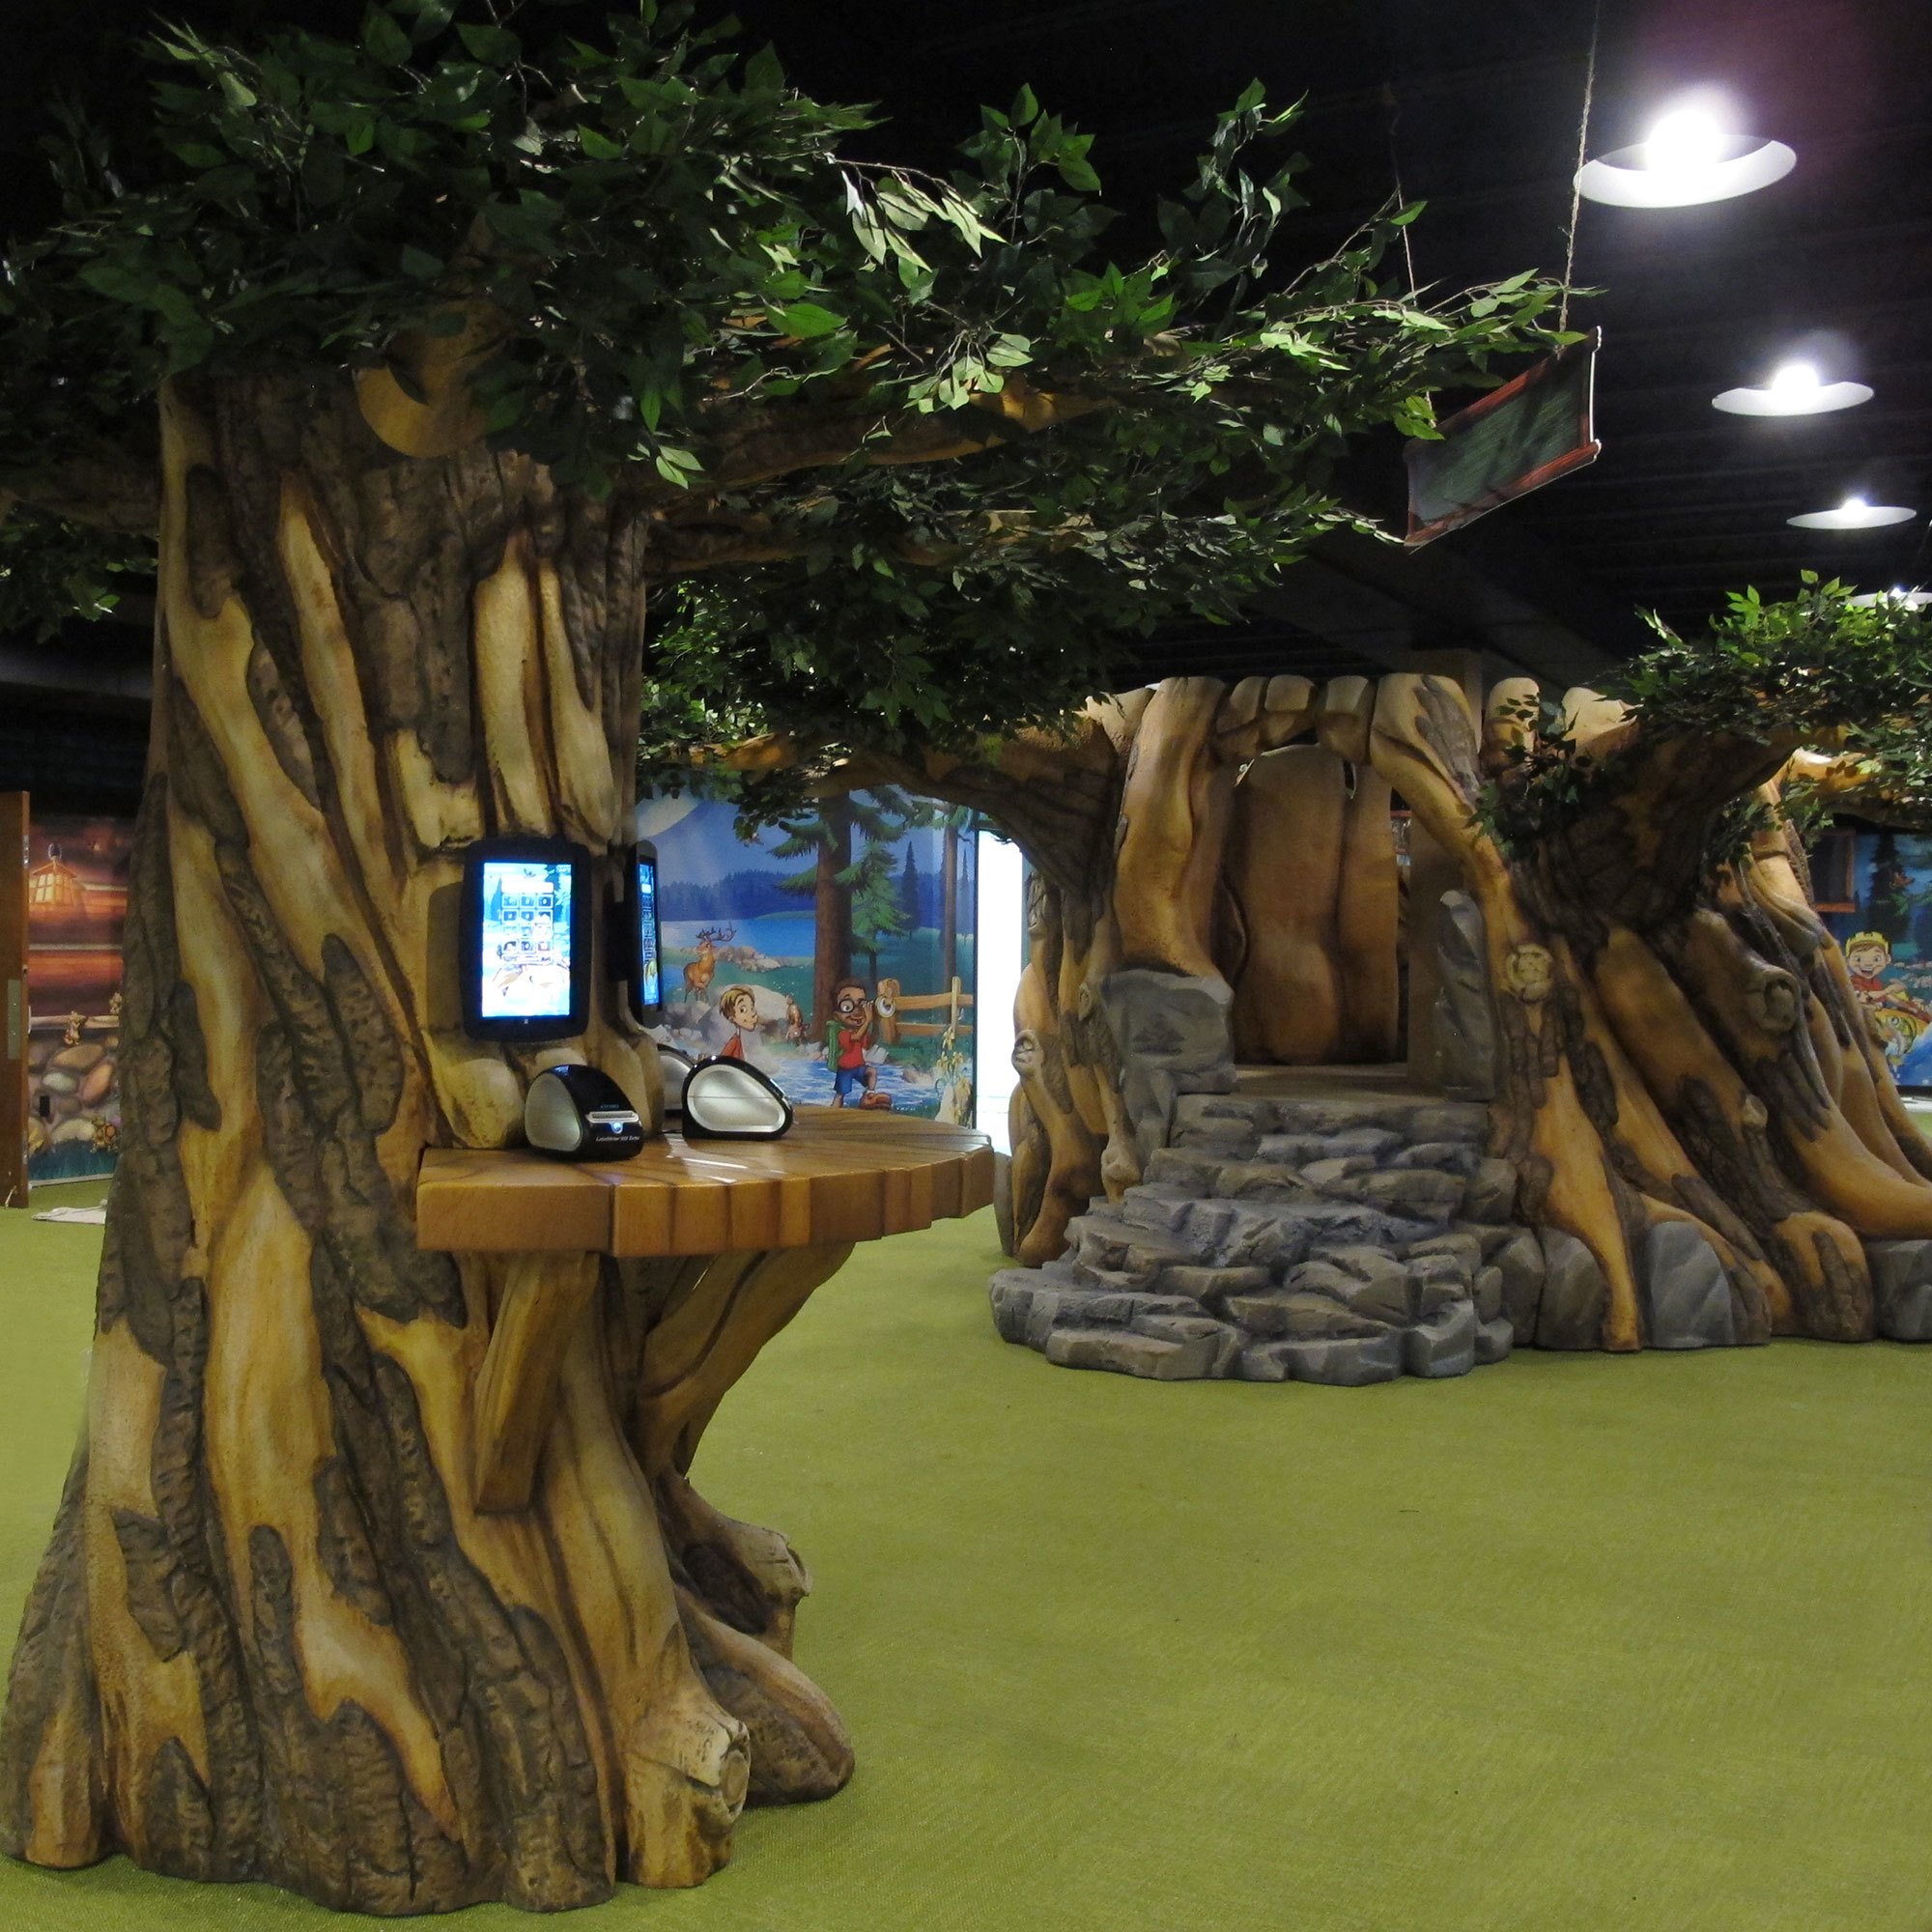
<point x="275" y="1636"/>
<point x="1674" y="1051"/>
<point x="1124" y="822"/>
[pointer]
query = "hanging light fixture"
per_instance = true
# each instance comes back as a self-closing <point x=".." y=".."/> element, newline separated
<point x="1796" y="390"/>
<point x="1688" y="157"/>
<point x="1852" y="514"/>
<point x="1905" y="599"/>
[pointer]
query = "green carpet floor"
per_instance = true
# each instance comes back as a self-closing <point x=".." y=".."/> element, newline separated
<point x="1570" y="1644"/>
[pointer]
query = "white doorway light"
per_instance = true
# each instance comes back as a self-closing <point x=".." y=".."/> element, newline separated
<point x="998" y="953"/>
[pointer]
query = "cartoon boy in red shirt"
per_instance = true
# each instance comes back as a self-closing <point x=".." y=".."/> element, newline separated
<point x="845" y="1037"/>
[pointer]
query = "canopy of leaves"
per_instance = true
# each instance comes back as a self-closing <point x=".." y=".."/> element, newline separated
<point x="1829" y="669"/>
<point x="696" y="297"/>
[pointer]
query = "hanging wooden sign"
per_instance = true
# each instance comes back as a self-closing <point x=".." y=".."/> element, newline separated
<point x="1511" y="442"/>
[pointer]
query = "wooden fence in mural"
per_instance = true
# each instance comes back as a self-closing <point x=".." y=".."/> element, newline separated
<point x="891" y="1003"/>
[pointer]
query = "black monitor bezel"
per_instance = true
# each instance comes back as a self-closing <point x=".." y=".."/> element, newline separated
<point x="530" y="1028"/>
<point x="634" y="929"/>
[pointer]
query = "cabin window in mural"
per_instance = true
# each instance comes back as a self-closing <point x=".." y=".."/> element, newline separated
<point x="1874" y="891"/>
<point x="76" y="904"/>
<point x="834" y="949"/>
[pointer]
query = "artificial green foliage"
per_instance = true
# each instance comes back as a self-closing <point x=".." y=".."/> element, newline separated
<point x="1827" y="668"/>
<point x="705" y="304"/>
<point x="51" y="570"/>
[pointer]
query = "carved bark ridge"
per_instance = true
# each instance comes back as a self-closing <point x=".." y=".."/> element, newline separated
<point x="277" y="1634"/>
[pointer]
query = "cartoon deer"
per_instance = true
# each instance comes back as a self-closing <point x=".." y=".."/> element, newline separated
<point x="698" y="974"/>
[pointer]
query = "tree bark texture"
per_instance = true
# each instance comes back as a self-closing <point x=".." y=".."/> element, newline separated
<point x="1125" y="822"/>
<point x="1673" y="1046"/>
<point x="275" y="1636"/>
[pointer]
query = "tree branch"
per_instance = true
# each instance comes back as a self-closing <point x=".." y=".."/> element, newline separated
<point x="103" y="487"/>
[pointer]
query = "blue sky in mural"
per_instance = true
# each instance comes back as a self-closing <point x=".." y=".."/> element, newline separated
<point x="740" y="952"/>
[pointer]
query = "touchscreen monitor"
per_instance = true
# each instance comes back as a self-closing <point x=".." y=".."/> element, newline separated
<point x="526" y="939"/>
<point x="648" y="950"/>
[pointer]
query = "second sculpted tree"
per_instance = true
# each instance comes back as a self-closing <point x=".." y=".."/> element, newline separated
<point x="1680" y="1043"/>
<point x="411" y="364"/>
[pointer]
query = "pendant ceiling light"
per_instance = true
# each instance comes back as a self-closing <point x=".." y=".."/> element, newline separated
<point x="1797" y="389"/>
<point x="1852" y="514"/>
<point x="1905" y="599"/>
<point x="1690" y="158"/>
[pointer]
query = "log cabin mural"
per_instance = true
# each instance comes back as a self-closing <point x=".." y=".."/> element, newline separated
<point x="76" y="903"/>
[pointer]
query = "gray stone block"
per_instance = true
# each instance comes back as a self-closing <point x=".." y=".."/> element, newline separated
<point x="1450" y="1157"/>
<point x="1261" y="1362"/>
<point x="1157" y="1206"/>
<point x="1575" y="1294"/>
<point x="1225" y="1341"/>
<point x="1209" y="1223"/>
<point x="1347" y="1363"/>
<point x="1129" y="1353"/>
<point x="1178" y="1022"/>
<point x="1260" y="1181"/>
<point x="1448" y="1268"/>
<point x="1194" y="1110"/>
<point x="1388" y="1298"/>
<point x="1459" y="1243"/>
<point x="1290" y="1313"/>
<point x="1445" y="1345"/>
<point x="1214" y="1284"/>
<point x="1324" y="1173"/>
<point x="1449" y="1120"/>
<point x="1421" y="1193"/>
<point x="1294" y="1150"/>
<point x="1465" y="1025"/>
<point x="1488" y="1293"/>
<point x="1260" y="1235"/>
<point x="1106" y="1242"/>
<point x="1341" y="1114"/>
<point x="1228" y="1140"/>
<point x="1184" y="1168"/>
<point x="1687" y="1289"/>
<point x="1493" y="1341"/>
<point x="1011" y="1292"/>
<point x="1519" y="1257"/>
<point x="1491" y="1192"/>
<point x="1364" y="1262"/>
<point x="1901" y="1274"/>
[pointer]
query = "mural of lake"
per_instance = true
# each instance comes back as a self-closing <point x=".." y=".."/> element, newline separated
<point x="741" y="944"/>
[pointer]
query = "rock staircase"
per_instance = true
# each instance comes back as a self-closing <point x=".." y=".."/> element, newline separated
<point x="1333" y="1237"/>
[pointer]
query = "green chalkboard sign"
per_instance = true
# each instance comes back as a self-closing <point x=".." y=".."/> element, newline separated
<point x="1514" y="440"/>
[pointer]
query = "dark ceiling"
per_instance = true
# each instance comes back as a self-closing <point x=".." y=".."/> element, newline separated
<point x="1475" y="108"/>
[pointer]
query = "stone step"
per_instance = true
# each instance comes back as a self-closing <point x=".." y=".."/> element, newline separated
<point x="1129" y="1352"/>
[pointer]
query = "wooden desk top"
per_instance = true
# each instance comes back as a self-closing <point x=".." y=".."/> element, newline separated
<point x="840" y="1175"/>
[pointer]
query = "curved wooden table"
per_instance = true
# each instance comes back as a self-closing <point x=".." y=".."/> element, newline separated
<point x="754" y="1225"/>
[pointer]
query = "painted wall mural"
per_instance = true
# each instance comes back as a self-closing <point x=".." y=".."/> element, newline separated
<point x="1874" y="891"/>
<point x="835" y="951"/>
<point x="76" y="903"/>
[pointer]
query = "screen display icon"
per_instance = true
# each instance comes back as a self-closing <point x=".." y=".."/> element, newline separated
<point x="649" y="985"/>
<point x="526" y="949"/>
